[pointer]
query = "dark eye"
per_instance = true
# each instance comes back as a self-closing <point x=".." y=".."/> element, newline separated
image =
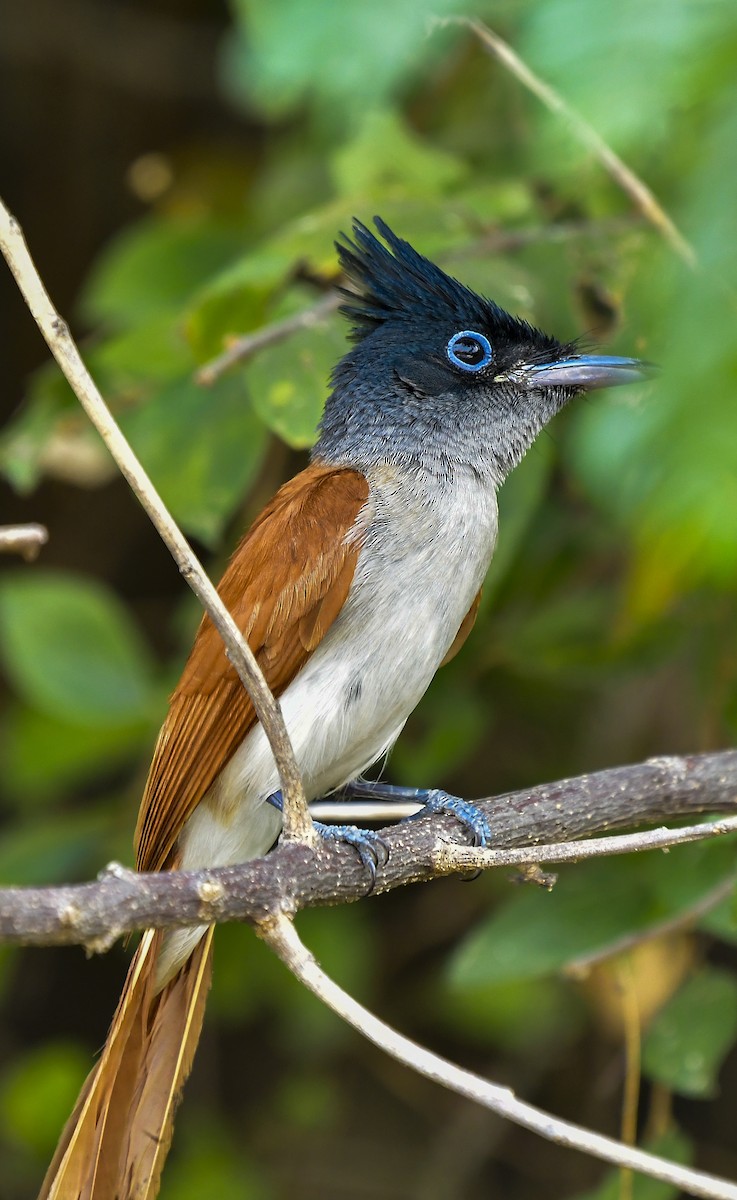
<point x="470" y="351"/>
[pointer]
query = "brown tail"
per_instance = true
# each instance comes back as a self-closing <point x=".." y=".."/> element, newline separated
<point x="114" y="1144"/>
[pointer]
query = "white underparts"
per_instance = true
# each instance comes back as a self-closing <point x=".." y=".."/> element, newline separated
<point x="427" y="544"/>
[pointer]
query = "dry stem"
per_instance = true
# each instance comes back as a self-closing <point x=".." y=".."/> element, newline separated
<point x="624" y="176"/>
<point x="284" y="940"/>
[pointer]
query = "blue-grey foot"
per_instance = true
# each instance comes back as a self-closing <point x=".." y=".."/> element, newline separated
<point x="431" y="799"/>
<point x="371" y="849"/>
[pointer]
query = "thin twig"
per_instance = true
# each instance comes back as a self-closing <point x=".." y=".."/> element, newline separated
<point x="25" y="540"/>
<point x="509" y="241"/>
<point x="471" y="858"/>
<point x="297" y="821"/>
<point x="242" y="348"/>
<point x="283" y="939"/>
<point x="624" y="176"/>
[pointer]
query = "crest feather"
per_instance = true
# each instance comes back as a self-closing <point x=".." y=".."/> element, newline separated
<point x="394" y="282"/>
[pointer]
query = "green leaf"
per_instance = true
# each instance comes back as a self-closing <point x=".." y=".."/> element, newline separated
<point x="592" y="906"/>
<point x="518" y="1015"/>
<point x="682" y="877"/>
<point x="248" y="978"/>
<point x="655" y="54"/>
<point x="71" y="649"/>
<point x="289" y="382"/>
<point x="721" y="921"/>
<point x="537" y="933"/>
<point x="221" y="313"/>
<point x="154" y="267"/>
<point x="345" y="57"/>
<point x="504" y="201"/>
<point x="690" y="1038"/>
<point x="38" y="1091"/>
<point x="49" y="401"/>
<point x="44" y="756"/>
<point x="452" y="721"/>
<point x="258" y="271"/>
<point x="241" y="297"/>
<point x="201" y="447"/>
<point x="386" y="155"/>
<point x="154" y="351"/>
<point x="209" y="1162"/>
<point x="308" y="1102"/>
<point x="560" y="639"/>
<point x="660" y="463"/>
<point x="519" y="500"/>
<point x="59" y="848"/>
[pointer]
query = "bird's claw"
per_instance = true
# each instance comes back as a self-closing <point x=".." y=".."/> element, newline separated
<point x="469" y="814"/>
<point x="370" y="847"/>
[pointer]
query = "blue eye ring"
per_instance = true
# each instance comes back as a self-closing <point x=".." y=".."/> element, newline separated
<point x="480" y="344"/>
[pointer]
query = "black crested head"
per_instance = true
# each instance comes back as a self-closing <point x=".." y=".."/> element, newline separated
<point x="438" y="374"/>
<point x="399" y="284"/>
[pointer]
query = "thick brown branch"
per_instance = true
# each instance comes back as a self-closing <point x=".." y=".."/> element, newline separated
<point x="292" y="877"/>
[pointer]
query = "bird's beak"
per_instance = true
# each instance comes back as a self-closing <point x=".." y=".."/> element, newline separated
<point x="586" y="371"/>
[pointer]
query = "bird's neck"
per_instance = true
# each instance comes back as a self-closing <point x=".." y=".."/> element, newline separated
<point x="419" y="439"/>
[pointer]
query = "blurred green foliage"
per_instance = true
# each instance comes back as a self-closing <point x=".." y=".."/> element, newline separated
<point x="689" y="1038"/>
<point x="607" y="626"/>
<point x="71" y="650"/>
<point x="537" y="933"/>
<point x="55" y="1071"/>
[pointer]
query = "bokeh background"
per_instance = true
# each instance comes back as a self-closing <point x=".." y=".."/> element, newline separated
<point x="181" y="168"/>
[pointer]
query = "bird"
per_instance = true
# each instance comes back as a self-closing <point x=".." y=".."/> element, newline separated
<point x="360" y="578"/>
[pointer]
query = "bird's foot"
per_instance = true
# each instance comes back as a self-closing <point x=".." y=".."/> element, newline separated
<point x="431" y="799"/>
<point x="371" y="849"/>
<point x="468" y="814"/>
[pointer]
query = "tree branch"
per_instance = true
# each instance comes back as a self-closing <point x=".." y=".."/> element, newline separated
<point x="472" y="858"/>
<point x="244" y="347"/>
<point x="297" y="821"/>
<point x="294" y="876"/>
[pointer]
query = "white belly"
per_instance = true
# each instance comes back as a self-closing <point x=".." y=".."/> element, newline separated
<point x="426" y="551"/>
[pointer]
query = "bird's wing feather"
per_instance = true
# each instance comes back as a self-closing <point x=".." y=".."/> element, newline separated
<point x="285" y="585"/>
<point x="467" y="625"/>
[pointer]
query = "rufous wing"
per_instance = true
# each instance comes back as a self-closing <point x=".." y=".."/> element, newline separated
<point x="467" y="625"/>
<point x="285" y="585"/>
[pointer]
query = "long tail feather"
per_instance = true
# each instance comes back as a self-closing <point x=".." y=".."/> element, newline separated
<point x="116" y="1140"/>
